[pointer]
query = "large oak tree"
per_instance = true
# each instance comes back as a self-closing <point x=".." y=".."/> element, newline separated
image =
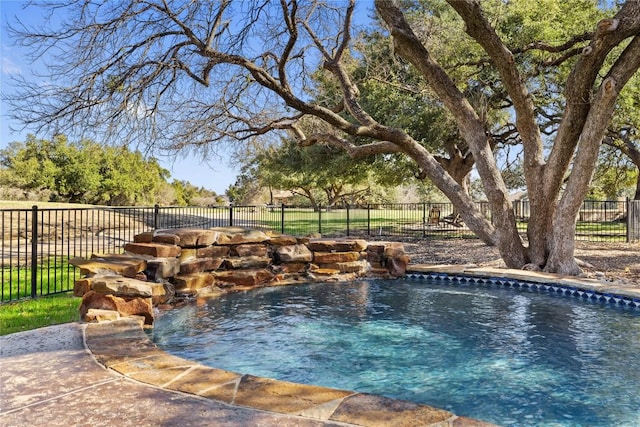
<point x="178" y="74"/>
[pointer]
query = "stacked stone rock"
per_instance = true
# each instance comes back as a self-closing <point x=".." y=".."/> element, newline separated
<point x="158" y="266"/>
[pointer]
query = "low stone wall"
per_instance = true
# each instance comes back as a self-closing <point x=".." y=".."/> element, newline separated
<point x="167" y="266"/>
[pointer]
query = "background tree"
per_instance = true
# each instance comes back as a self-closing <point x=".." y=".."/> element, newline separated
<point x="320" y="174"/>
<point x="29" y="165"/>
<point x="622" y="141"/>
<point x="247" y="187"/>
<point x="127" y="178"/>
<point x="180" y="73"/>
<point x="187" y="194"/>
<point x="87" y="172"/>
<point x="70" y="171"/>
<point x="616" y="174"/>
<point x="184" y="192"/>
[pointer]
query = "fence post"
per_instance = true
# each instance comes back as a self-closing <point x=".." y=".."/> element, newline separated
<point x="156" y="215"/>
<point x="633" y="220"/>
<point x="282" y="206"/>
<point x="320" y="218"/>
<point x="34" y="250"/>
<point x="368" y="219"/>
<point x="231" y="215"/>
<point x="424" y="220"/>
<point x="348" y="218"/>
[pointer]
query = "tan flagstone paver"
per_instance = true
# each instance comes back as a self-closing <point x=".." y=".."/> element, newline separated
<point x="282" y="396"/>
<point x="378" y="411"/>
<point x="199" y="379"/>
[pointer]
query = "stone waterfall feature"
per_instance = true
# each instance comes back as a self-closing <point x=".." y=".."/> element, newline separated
<point x="173" y="265"/>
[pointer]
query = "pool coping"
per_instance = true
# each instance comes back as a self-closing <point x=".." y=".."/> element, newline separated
<point x="123" y="347"/>
<point x="581" y="287"/>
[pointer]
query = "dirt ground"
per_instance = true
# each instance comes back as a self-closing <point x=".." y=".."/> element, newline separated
<point x="616" y="262"/>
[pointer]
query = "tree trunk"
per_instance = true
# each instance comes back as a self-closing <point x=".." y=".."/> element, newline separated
<point x="459" y="168"/>
<point x="471" y="128"/>
<point x="634" y="154"/>
<point x="542" y="211"/>
<point x="561" y="259"/>
<point x="309" y="195"/>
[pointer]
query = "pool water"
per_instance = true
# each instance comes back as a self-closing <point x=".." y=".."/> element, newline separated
<point x="504" y="356"/>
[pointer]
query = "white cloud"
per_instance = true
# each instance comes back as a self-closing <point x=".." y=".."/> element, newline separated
<point x="9" y="66"/>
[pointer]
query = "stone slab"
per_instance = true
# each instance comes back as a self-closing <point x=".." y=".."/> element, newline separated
<point x="251" y="278"/>
<point x="96" y="315"/>
<point x="335" y="257"/>
<point x="156" y="250"/>
<point x="199" y="379"/>
<point x="281" y="396"/>
<point x="224" y="393"/>
<point x="239" y="236"/>
<point x="170" y="239"/>
<point x="193" y="281"/>
<point x="162" y="268"/>
<point x="159" y="377"/>
<point x="121" y="286"/>
<point x="337" y="245"/>
<point x="155" y="362"/>
<point x="127" y="267"/>
<point x="393" y="250"/>
<point x="200" y="265"/>
<point x="126" y="306"/>
<point x="247" y="262"/>
<point x="277" y="239"/>
<point x="191" y="237"/>
<point x="81" y="286"/>
<point x="144" y="237"/>
<point x="213" y="252"/>
<point x="359" y="267"/>
<point x="188" y="253"/>
<point x="293" y="253"/>
<point x="250" y="249"/>
<point x="371" y="410"/>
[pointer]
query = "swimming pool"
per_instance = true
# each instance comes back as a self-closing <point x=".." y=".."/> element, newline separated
<point x="504" y="356"/>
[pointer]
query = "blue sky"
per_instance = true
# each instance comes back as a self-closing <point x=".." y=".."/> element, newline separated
<point x="215" y="175"/>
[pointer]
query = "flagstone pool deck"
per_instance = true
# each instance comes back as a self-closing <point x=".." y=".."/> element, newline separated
<point x="111" y="374"/>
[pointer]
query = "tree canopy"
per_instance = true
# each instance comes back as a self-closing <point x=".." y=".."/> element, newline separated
<point x="87" y="172"/>
<point x="319" y="174"/>
<point x="197" y="74"/>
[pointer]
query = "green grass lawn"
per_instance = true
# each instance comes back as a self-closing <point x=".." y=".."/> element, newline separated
<point x="54" y="275"/>
<point x="301" y="222"/>
<point x="30" y="314"/>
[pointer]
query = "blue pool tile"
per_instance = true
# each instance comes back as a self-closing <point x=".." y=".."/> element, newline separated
<point x="530" y="286"/>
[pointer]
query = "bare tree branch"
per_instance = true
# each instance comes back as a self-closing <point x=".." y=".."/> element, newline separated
<point x="355" y="151"/>
<point x="609" y="34"/>
<point x="480" y="29"/>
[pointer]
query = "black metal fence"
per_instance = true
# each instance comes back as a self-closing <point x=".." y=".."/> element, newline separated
<point x="36" y="244"/>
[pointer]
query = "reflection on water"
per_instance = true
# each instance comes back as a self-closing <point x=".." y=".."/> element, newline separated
<point x="505" y="356"/>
